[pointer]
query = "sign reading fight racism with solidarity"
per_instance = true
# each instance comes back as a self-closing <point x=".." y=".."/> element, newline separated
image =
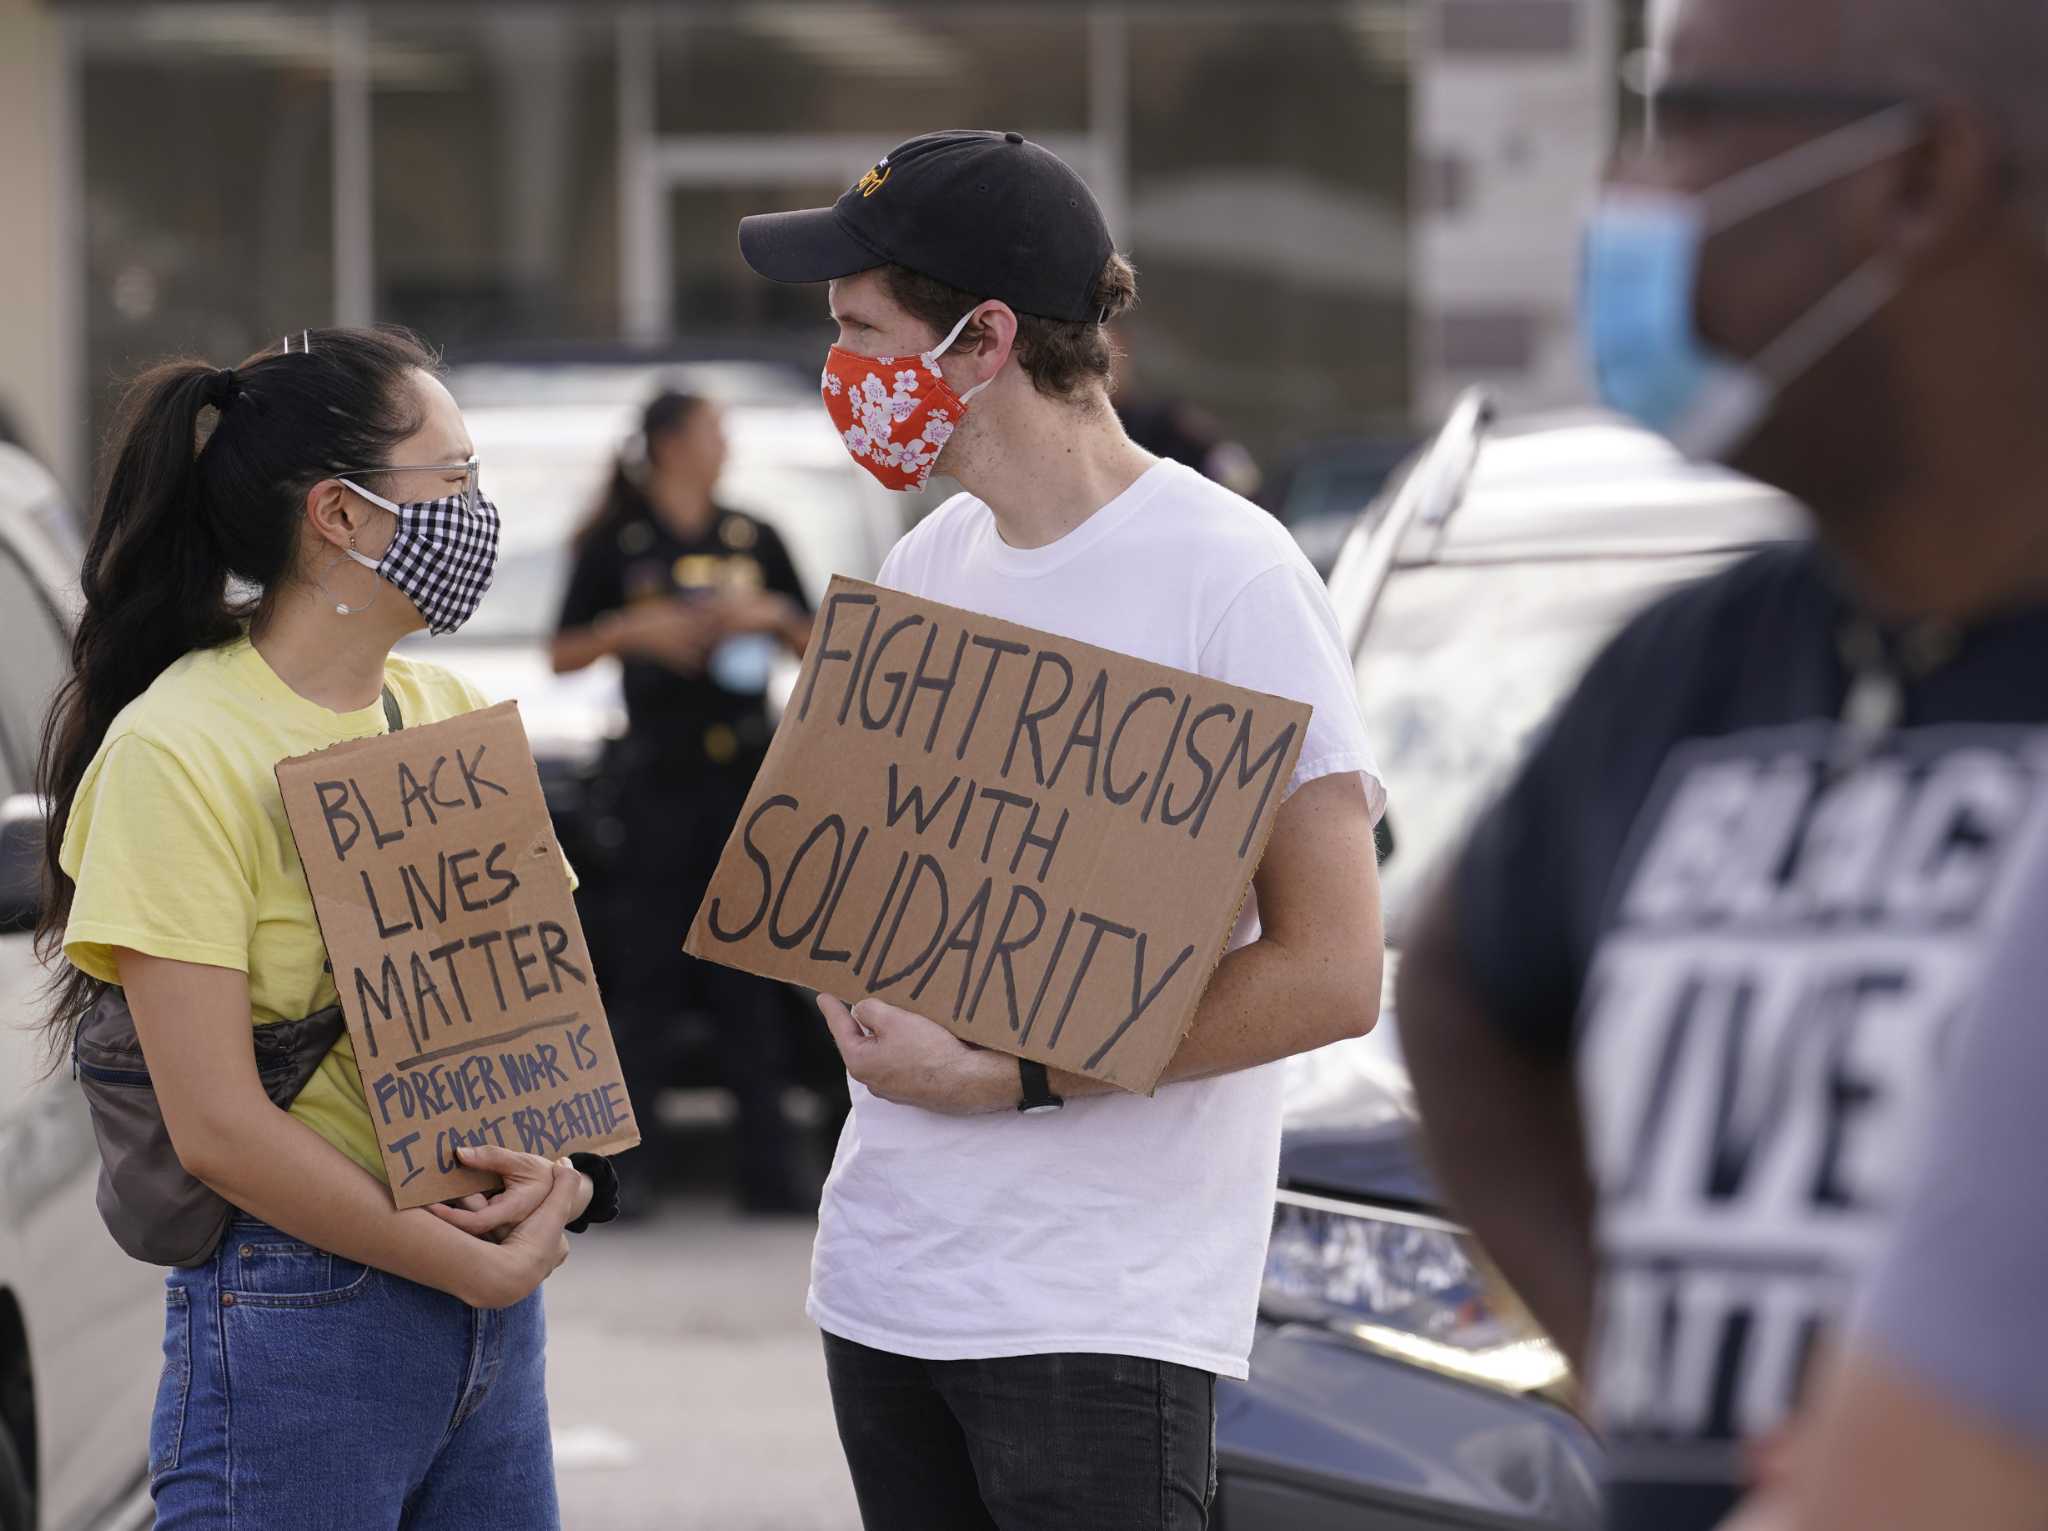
<point x="461" y="965"/>
<point x="1040" y="844"/>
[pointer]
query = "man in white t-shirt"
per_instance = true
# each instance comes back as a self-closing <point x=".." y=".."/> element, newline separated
<point x="1028" y="1283"/>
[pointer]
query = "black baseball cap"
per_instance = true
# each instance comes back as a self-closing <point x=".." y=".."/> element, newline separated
<point x="992" y="214"/>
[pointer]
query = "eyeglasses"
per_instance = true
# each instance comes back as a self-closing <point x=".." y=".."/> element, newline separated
<point x="468" y="470"/>
<point x="1667" y="101"/>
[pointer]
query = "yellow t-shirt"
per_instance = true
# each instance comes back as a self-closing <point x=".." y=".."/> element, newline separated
<point x="179" y="846"/>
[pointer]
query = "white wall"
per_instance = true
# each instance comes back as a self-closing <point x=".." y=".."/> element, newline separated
<point x="1513" y="124"/>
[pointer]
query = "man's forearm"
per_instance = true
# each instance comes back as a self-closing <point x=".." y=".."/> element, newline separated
<point x="1504" y="1138"/>
<point x="1265" y="1003"/>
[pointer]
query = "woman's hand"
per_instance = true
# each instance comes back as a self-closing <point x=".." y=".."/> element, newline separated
<point x="512" y="1271"/>
<point x="528" y="1180"/>
<point x="766" y="611"/>
<point x="672" y="631"/>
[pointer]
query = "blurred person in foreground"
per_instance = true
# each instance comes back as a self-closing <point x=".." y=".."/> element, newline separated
<point x="697" y="601"/>
<point x="1676" y="1015"/>
<point x="1935" y="1412"/>
<point x="1028" y="1280"/>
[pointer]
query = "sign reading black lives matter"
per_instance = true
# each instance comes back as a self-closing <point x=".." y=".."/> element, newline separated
<point x="452" y="931"/>
<point x="1040" y="844"/>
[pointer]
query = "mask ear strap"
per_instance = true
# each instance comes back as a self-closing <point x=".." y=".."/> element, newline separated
<point x="931" y="357"/>
<point x="1868" y="141"/>
<point x="375" y="499"/>
<point x="379" y="501"/>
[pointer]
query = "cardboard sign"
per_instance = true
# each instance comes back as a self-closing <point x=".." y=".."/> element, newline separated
<point x="1040" y="844"/>
<point x="456" y="950"/>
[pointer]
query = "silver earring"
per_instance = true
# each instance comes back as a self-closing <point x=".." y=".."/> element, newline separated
<point x="342" y="608"/>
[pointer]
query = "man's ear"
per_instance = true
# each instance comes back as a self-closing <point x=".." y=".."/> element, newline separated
<point x="1954" y="183"/>
<point x="998" y="326"/>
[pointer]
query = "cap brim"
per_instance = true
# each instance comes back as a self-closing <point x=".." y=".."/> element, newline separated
<point x="810" y="245"/>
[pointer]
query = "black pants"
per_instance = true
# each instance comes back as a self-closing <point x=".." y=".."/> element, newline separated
<point x="675" y="814"/>
<point x="1025" y="1443"/>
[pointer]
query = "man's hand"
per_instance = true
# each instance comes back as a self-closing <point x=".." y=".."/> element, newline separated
<point x="528" y="1180"/>
<point x="904" y="1058"/>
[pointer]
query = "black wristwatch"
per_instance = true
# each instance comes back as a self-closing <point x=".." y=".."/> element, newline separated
<point x="1037" y="1089"/>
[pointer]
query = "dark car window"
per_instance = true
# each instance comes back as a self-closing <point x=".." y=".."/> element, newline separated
<point x="36" y="654"/>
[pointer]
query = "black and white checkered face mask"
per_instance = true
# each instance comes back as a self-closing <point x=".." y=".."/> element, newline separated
<point x="442" y="557"/>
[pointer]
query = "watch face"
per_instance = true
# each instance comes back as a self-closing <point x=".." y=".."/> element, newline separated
<point x="1051" y="1105"/>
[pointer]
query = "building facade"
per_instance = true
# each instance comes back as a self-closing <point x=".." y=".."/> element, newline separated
<point x="1341" y="210"/>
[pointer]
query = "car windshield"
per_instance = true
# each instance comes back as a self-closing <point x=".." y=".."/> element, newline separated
<point x="1462" y="664"/>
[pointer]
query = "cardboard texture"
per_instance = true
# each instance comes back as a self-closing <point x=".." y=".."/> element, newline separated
<point x="1040" y="844"/>
<point x="461" y="966"/>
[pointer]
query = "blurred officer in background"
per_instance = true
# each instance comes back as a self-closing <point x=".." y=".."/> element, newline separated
<point x="697" y="601"/>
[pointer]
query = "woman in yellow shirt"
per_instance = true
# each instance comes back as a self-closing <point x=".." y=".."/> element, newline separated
<point x="269" y="532"/>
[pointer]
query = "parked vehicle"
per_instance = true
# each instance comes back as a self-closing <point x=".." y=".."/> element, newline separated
<point x="1395" y="1385"/>
<point x="81" y="1324"/>
<point x="1319" y="492"/>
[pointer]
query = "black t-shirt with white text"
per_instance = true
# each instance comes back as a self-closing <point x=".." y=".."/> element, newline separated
<point x="1754" y="960"/>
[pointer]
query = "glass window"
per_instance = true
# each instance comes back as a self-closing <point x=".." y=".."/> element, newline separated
<point x="718" y="299"/>
<point x="208" y="197"/>
<point x="1268" y="218"/>
<point x="495" y="164"/>
<point x="889" y="72"/>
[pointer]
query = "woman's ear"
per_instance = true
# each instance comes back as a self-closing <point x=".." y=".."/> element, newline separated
<point x="335" y="513"/>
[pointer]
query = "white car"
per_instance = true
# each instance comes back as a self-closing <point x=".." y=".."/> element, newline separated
<point x="81" y="1324"/>
<point x="546" y="438"/>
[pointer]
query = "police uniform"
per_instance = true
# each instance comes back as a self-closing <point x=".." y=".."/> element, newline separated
<point x="673" y="788"/>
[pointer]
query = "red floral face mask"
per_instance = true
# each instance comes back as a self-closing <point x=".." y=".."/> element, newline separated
<point x="895" y="417"/>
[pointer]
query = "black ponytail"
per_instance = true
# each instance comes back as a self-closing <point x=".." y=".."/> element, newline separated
<point x="623" y="498"/>
<point x="198" y="526"/>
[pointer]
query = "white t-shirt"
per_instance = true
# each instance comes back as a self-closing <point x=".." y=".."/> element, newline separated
<point x="1120" y="1225"/>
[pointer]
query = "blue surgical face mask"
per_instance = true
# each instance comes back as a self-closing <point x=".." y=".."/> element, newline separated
<point x="1640" y="293"/>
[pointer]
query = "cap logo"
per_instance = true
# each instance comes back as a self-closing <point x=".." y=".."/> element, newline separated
<point x="874" y="180"/>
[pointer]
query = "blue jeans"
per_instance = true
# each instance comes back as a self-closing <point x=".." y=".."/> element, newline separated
<point x="303" y="1391"/>
<point x="1025" y="1443"/>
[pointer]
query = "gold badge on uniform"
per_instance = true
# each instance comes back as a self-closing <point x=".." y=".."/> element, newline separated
<point x="699" y="571"/>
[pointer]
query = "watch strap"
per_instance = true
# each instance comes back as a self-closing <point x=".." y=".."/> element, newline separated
<point x="1036" y="1087"/>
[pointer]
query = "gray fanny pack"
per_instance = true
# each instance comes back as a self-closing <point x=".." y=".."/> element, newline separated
<point x="154" y="1209"/>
